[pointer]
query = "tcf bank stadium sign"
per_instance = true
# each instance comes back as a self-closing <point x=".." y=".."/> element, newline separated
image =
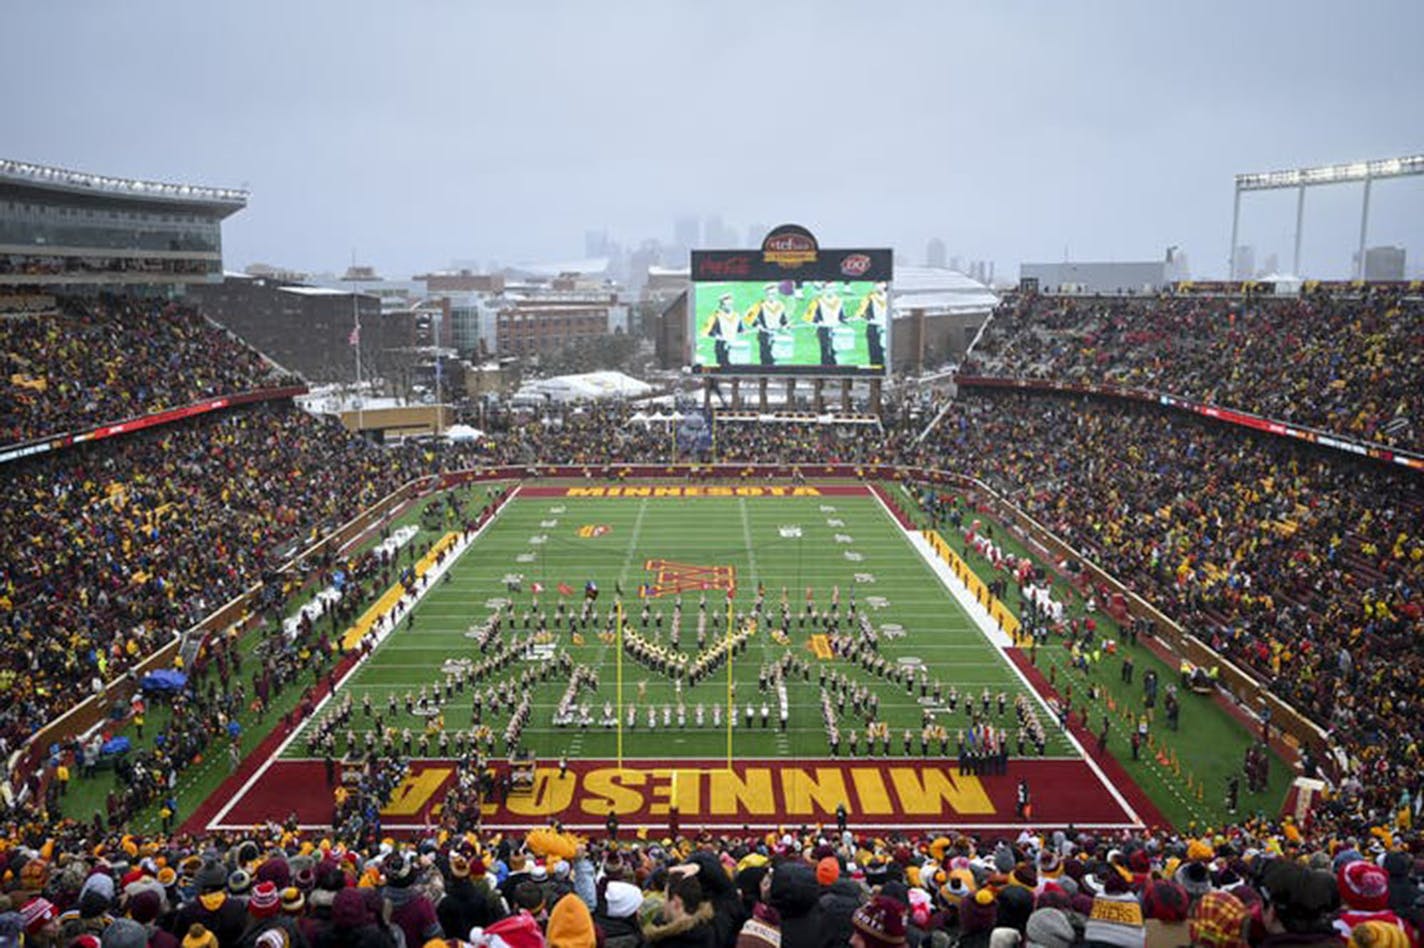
<point x="792" y="252"/>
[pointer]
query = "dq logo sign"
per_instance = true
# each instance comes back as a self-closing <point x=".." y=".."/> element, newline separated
<point x="853" y="265"/>
<point x="594" y="530"/>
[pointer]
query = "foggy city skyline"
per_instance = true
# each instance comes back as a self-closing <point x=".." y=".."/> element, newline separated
<point x="420" y="134"/>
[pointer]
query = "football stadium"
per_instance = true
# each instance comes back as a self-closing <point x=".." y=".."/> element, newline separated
<point x="1106" y="633"/>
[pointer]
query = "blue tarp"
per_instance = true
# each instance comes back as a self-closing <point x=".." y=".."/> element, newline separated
<point x="168" y="681"/>
<point x="116" y="745"/>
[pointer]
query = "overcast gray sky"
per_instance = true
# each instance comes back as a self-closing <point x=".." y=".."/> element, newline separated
<point x="418" y="132"/>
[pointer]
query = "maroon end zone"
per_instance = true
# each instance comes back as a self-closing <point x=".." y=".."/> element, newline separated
<point x="887" y="793"/>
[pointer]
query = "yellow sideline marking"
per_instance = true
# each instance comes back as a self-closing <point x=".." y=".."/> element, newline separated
<point x="391" y="596"/>
<point x="1000" y="613"/>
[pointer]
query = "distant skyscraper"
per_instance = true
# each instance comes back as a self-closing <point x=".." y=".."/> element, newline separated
<point x="934" y="253"/>
<point x="687" y="233"/>
<point x="1244" y="266"/>
<point x="1384" y="263"/>
<point x="713" y="233"/>
<point x="596" y="243"/>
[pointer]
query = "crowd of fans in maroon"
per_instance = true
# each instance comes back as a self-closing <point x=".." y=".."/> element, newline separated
<point x="107" y="360"/>
<point x="1306" y="568"/>
<point x="1344" y="365"/>
<point x="803" y="888"/>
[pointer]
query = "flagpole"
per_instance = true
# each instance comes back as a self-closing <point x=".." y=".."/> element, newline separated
<point x="618" y="661"/>
<point x="731" y="710"/>
<point x="356" y="332"/>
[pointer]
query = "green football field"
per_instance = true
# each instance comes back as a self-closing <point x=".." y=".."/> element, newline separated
<point x="821" y="543"/>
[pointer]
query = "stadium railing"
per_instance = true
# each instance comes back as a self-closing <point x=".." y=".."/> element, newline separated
<point x="65" y="439"/>
<point x="1243" y="687"/>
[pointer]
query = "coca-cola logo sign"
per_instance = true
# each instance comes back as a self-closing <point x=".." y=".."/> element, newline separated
<point x="855" y="264"/>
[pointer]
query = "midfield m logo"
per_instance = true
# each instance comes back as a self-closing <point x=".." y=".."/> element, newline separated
<point x="670" y="578"/>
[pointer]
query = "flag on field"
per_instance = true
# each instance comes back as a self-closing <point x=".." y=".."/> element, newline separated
<point x="355" y="338"/>
<point x="565" y="589"/>
<point x="536" y="588"/>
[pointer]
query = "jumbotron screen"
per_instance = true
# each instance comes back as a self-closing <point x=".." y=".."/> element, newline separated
<point x="767" y="327"/>
<point x="791" y="308"/>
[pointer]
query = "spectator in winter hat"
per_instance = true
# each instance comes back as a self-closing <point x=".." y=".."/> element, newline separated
<point x="125" y="933"/>
<point x="976" y="918"/>
<point x="265" y="901"/>
<point x="198" y="936"/>
<point x="41" y="922"/>
<point x="1364" y="888"/>
<point x="1218" y="920"/>
<point x="570" y="924"/>
<point x="517" y="931"/>
<point x="617" y="916"/>
<point x="1195" y="878"/>
<point x="1049" y="928"/>
<point x="145" y="907"/>
<point x="469" y="900"/>
<point x="1378" y="935"/>
<point x="411" y="910"/>
<point x="796" y="896"/>
<point x="879" y="923"/>
<point x="1116" y="916"/>
<point x="1165" y="906"/>
<point x="1298" y="904"/>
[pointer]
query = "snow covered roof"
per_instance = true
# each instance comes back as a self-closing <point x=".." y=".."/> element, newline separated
<point x="314" y="291"/>
<point x="587" y="266"/>
<point x="939" y="290"/>
<point x="587" y="386"/>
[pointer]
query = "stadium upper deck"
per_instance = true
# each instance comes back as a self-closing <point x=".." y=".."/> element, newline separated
<point x="68" y="228"/>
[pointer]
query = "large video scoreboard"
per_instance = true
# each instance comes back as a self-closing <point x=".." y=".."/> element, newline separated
<point x="791" y="308"/>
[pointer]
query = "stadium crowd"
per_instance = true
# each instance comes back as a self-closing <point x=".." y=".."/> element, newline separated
<point x="800" y="888"/>
<point x="1350" y="366"/>
<point x="117" y="545"/>
<point x="1306" y="568"/>
<point x="112" y="359"/>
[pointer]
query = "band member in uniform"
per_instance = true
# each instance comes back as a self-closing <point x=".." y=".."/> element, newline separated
<point x="825" y="313"/>
<point x="875" y="310"/>
<point x="721" y="328"/>
<point x="767" y="317"/>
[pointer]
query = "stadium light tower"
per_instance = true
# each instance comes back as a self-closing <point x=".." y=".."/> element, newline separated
<point x="1302" y="178"/>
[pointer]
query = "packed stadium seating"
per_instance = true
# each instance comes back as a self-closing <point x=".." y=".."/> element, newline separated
<point x="115" y="358"/>
<point x="117" y="545"/>
<point x="1345" y="365"/>
<point x="796" y="888"/>
<point x="1301" y="565"/>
